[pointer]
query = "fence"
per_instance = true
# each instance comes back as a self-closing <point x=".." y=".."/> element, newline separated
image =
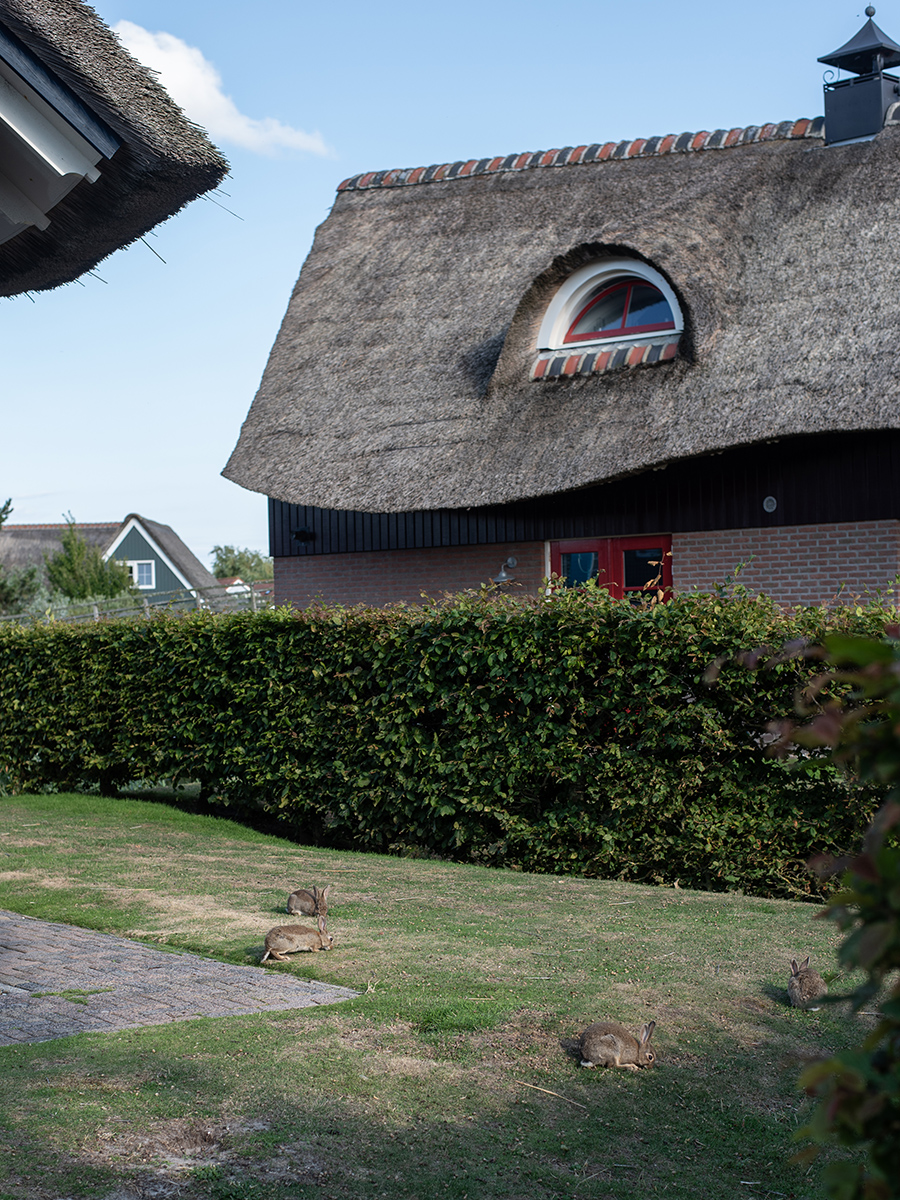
<point x="236" y="598"/>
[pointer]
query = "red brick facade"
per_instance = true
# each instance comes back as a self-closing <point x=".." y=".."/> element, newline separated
<point x="795" y="564"/>
<point x="380" y="577"/>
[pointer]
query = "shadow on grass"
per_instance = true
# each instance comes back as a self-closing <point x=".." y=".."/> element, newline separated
<point x="338" y="1106"/>
<point x="571" y="1047"/>
<point x="777" y="995"/>
<point x="254" y="951"/>
<point x="188" y="798"/>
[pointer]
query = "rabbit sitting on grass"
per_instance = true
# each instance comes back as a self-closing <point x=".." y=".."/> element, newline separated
<point x="805" y="986"/>
<point x="288" y="939"/>
<point x="609" y="1044"/>
<point x="310" y="902"/>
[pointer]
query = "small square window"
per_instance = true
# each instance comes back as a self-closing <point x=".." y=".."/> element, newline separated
<point x="143" y="573"/>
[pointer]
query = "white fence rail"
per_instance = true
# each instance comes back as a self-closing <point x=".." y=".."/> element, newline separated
<point x="239" y="598"/>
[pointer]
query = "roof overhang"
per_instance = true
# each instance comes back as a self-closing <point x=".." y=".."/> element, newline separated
<point x="93" y="151"/>
<point x="49" y="142"/>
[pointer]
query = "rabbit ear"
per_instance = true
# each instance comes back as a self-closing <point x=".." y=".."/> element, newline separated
<point x="325" y="893"/>
<point x="805" y="963"/>
<point x="647" y="1033"/>
<point x="320" y="921"/>
<point x="795" y="970"/>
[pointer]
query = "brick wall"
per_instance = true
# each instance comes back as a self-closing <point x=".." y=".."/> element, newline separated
<point x="794" y="564"/>
<point x="380" y="577"/>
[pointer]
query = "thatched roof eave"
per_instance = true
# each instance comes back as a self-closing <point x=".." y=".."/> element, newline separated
<point x="164" y="160"/>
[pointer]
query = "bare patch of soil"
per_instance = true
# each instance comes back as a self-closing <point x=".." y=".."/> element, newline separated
<point x="167" y="1155"/>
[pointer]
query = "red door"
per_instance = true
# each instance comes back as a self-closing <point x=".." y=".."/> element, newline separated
<point x="624" y="565"/>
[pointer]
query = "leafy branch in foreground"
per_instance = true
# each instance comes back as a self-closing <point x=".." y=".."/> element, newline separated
<point x="859" y="1090"/>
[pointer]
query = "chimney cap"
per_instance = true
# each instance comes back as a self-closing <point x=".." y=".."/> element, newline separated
<point x="859" y="54"/>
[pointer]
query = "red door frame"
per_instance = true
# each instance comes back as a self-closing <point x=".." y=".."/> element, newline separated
<point x="611" y="564"/>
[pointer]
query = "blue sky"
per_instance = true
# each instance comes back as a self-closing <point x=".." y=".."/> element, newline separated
<point x="128" y="394"/>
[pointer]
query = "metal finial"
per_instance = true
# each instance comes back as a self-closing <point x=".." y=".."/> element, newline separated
<point x="870" y="10"/>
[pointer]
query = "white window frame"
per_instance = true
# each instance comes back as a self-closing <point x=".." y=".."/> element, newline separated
<point x="573" y="294"/>
<point x="133" y="563"/>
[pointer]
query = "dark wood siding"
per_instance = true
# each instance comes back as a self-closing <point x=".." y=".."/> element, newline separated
<point x="821" y="478"/>
<point x="135" y="547"/>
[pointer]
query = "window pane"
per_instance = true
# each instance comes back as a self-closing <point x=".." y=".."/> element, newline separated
<point x="648" y="307"/>
<point x="642" y="567"/>
<point x="577" y="569"/>
<point x="605" y="313"/>
<point x="144" y="574"/>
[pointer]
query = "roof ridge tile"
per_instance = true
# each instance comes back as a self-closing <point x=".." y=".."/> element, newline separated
<point x="570" y="156"/>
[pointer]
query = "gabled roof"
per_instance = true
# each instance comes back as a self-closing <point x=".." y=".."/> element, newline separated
<point x="403" y="374"/>
<point x="151" y="159"/>
<point x="181" y="559"/>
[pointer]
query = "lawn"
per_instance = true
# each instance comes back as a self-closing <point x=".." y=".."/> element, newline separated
<point x="439" y="1080"/>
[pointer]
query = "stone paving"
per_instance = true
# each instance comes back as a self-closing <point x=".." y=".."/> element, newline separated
<point x="113" y="983"/>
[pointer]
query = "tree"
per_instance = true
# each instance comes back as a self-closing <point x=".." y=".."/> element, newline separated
<point x="230" y="561"/>
<point x="78" y="569"/>
<point x="17" y="588"/>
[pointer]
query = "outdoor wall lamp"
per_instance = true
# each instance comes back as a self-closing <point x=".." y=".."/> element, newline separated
<point x="503" y="575"/>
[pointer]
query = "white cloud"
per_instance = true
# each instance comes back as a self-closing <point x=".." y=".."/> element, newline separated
<point x="196" y="86"/>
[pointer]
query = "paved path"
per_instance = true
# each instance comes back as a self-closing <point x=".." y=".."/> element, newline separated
<point x="123" y="984"/>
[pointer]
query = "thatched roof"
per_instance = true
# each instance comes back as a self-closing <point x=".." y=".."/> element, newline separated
<point x="163" y="162"/>
<point x="181" y="557"/>
<point x="29" y="545"/>
<point x="401" y="378"/>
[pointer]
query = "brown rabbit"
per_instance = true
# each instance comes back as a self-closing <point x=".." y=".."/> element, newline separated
<point x="288" y="939"/>
<point x="311" y="903"/>
<point x="609" y="1044"/>
<point x="805" y="986"/>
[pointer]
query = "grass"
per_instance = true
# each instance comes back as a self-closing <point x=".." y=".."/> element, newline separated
<point x="439" y="1079"/>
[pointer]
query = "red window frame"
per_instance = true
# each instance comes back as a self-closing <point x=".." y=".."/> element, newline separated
<point x="611" y="560"/>
<point x="620" y="330"/>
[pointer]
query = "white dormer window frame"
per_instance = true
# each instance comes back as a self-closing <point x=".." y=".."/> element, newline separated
<point x="576" y="292"/>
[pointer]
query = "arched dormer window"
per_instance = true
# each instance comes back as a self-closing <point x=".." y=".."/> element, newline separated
<point x="627" y="307"/>
<point x="615" y="312"/>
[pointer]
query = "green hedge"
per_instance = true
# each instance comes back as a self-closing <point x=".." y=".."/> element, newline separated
<point x="573" y="734"/>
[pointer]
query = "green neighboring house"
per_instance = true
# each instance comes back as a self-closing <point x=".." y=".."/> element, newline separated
<point x="159" y="561"/>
